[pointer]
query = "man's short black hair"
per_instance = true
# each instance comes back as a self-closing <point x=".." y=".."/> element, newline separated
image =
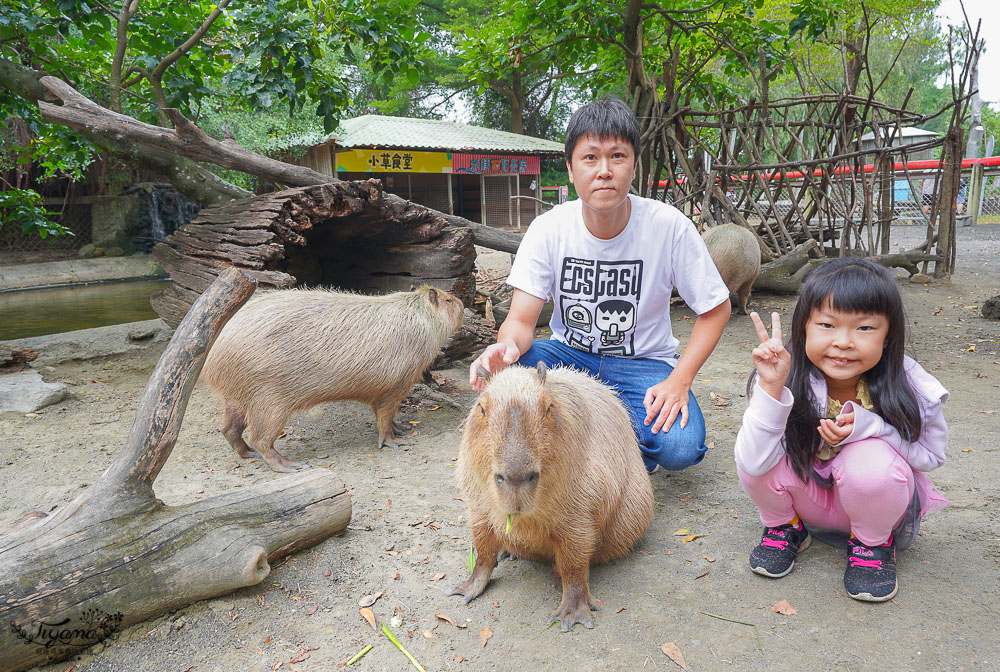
<point x="604" y="118"/>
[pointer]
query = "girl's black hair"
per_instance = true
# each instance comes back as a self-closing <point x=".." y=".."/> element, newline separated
<point x="852" y="286"/>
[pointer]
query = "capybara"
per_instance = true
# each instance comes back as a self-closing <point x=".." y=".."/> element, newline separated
<point x="289" y="350"/>
<point x="554" y="453"/>
<point x="736" y="254"/>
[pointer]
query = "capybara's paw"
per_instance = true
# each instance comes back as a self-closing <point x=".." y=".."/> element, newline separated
<point x="285" y="466"/>
<point x="506" y="555"/>
<point x="247" y="452"/>
<point x="473" y="587"/>
<point x="403" y="429"/>
<point x="390" y="441"/>
<point x="572" y="612"/>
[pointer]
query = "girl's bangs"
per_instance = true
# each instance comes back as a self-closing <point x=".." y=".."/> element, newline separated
<point x="853" y="288"/>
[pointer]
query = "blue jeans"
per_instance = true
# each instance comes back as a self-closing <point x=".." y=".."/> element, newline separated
<point x="674" y="449"/>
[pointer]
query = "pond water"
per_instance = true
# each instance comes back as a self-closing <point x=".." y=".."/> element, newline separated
<point x="37" y="312"/>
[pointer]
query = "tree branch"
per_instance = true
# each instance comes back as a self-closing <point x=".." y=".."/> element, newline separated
<point x="129" y="8"/>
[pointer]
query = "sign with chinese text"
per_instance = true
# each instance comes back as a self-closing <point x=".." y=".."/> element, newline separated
<point x="392" y="161"/>
<point x="491" y="164"/>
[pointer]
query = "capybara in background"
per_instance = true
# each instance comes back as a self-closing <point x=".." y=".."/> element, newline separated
<point x="556" y="453"/>
<point x="737" y="256"/>
<point x="289" y="350"/>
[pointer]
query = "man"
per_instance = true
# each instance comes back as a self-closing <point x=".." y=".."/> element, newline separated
<point x="610" y="260"/>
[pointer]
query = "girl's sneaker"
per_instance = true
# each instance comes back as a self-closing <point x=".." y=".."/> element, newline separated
<point x="871" y="572"/>
<point x="775" y="555"/>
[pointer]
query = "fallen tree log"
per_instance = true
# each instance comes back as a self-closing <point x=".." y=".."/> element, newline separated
<point x="187" y="140"/>
<point x="116" y="555"/>
<point x="785" y="274"/>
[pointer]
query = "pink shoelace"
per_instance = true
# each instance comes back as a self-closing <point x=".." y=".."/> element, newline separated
<point x="774" y="543"/>
<point x="861" y="562"/>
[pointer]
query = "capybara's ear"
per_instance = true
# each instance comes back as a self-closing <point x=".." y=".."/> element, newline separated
<point x="413" y="288"/>
<point x="433" y="295"/>
<point x="541" y="371"/>
<point x="484" y="375"/>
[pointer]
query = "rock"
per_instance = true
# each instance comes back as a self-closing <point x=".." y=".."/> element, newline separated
<point x="991" y="308"/>
<point x="114" y="252"/>
<point x="921" y="279"/>
<point x="87" y="250"/>
<point x="26" y="392"/>
<point x="15" y="357"/>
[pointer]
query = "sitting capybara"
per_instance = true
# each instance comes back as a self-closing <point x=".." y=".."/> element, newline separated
<point x="554" y="453"/>
<point x="289" y="350"/>
<point x="736" y="254"/>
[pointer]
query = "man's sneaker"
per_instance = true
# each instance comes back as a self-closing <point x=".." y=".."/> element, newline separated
<point x="775" y="555"/>
<point x="653" y="470"/>
<point x="871" y="572"/>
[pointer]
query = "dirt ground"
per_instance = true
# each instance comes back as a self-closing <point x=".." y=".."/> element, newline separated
<point x="408" y="529"/>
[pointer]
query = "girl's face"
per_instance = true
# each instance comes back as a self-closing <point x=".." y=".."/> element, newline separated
<point x="844" y="345"/>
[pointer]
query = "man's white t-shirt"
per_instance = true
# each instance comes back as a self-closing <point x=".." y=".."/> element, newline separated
<point x="612" y="297"/>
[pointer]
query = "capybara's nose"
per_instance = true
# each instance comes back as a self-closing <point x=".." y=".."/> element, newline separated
<point x="518" y="479"/>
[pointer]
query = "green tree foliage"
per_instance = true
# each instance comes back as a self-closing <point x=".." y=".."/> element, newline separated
<point x="245" y="58"/>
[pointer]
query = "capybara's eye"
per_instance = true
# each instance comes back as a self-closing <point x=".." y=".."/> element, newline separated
<point x="533" y="477"/>
<point x="481" y="409"/>
<point x="499" y="479"/>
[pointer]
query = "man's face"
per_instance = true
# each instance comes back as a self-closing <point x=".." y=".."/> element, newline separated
<point x="602" y="171"/>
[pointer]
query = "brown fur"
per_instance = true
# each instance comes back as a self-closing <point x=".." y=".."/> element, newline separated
<point x="592" y="500"/>
<point x="289" y="350"/>
<point x="737" y="256"/>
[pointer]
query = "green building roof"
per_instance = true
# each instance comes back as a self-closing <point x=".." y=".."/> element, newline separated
<point x="378" y="131"/>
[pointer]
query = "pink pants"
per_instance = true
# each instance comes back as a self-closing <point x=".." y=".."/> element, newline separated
<point x="872" y="486"/>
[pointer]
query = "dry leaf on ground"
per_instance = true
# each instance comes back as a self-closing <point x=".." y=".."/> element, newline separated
<point x="692" y="537"/>
<point x="448" y="620"/>
<point x="485" y="635"/>
<point x="673" y="652"/>
<point x="782" y="607"/>
<point x="368" y="615"/>
<point x="438" y="576"/>
<point x="369" y="600"/>
<point x="681" y="532"/>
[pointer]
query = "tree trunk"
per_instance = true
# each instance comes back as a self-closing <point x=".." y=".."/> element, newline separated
<point x="117" y="555"/>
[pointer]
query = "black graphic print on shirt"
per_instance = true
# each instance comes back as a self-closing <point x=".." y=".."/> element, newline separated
<point x="598" y="301"/>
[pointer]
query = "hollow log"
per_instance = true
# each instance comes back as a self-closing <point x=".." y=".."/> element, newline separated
<point x="349" y="235"/>
<point x="116" y="555"/>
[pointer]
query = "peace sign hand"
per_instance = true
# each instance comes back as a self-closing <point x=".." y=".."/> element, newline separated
<point x="770" y="358"/>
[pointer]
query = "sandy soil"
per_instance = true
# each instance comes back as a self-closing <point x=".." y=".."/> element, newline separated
<point x="408" y="527"/>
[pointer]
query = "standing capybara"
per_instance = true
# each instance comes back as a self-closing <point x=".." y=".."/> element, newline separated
<point x="551" y="471"/>
<point x="289" y="350"/>
<point x="736" y="254"/>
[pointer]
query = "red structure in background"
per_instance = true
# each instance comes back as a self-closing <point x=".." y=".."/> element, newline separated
<point x="989" y="162"/>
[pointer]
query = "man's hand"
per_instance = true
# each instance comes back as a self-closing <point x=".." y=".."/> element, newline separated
<point x="494" y="358"/>
<point x="835" y="431"/>
<point x="664" y="401"/>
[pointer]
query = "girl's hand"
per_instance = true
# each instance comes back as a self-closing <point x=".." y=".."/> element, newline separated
<point x="770" y="358"/>
<point x="833" y="432"/>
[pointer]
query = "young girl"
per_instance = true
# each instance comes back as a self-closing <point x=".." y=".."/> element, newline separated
<point x="840" y="430"/>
